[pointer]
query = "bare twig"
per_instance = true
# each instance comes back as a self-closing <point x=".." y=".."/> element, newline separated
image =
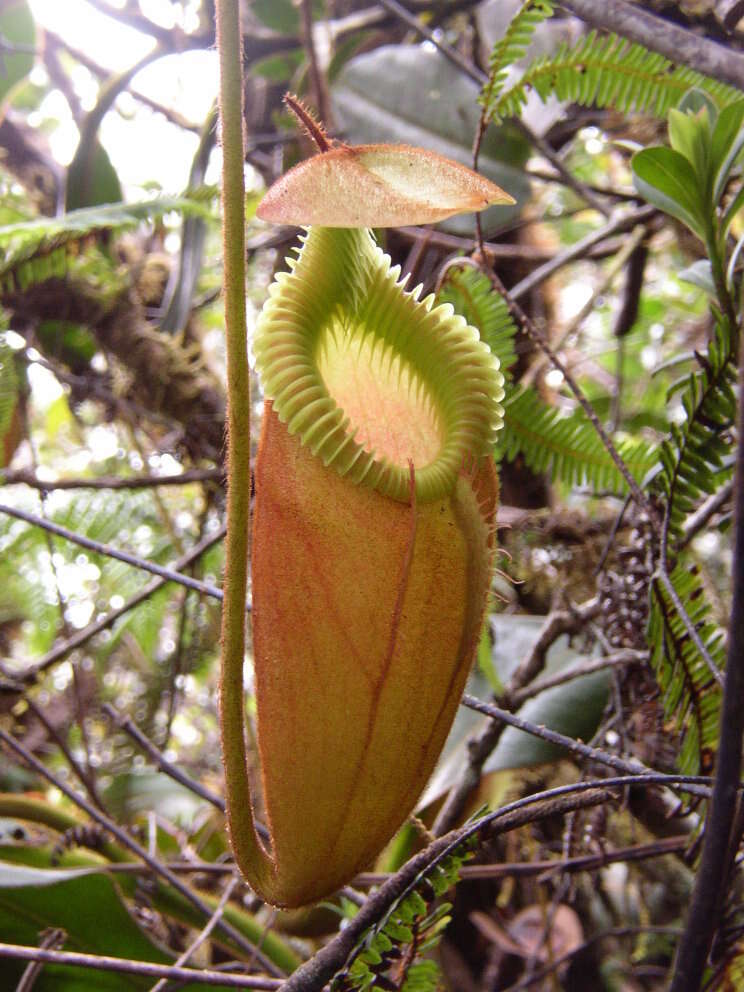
<point x="627" y="656"/>
<point x="565" y="175"/>
<point x="608" y="277"/>
<point x="22" y="476"/>
<point x="126" y="966"/>
<point x="51" y="939"/>
<point x="528" y="254"/>
<point x="82" y="775"/>
<point x="694" y="784"/>
<point x="172" y="39"/>
<point x="55" y="42"/>
<point x="319" y="88"/>
<point x="105" y="549"/>
<point x="712" y="505"/>
<point x="550" y="867"/>
<point x="173" y="771"/>
<point x="659" y="35"/>
<point x="624" y="220"/>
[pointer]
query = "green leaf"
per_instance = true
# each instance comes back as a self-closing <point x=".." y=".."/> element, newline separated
<point x="700" y="274"/>
<point x="283" y="16"/>
<point x="667" y="180"/>
<point x="17" y="29"/>
<point x="689" y="134"/>
<point x="511" y="47"/>
<point x="471" y="294"/>
<point x="407" y="94"/>
<point x="91" y="178"/>
<point x="87" y="906"/>
<point x="278" y="68"/>
<point x="726" y="145"/>
<point x="136" y="792"/>
<point x="732" y="210"/>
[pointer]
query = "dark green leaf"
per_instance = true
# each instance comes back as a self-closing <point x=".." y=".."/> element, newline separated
<point x="91" y="178"/>
<point x="87" y="905"/>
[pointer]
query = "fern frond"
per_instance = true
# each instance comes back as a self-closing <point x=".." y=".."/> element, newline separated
<point x="410" y="927"/>
<point x="694" y="456"/>
<point x="8" y="390"/>
<point x="566" y="447"/>
<point x="471" y="294"/>
<point x="40" y="240"/>
<point x="693" y="466"/>
<point x="690" y="695"/>
<point x="512" y="47"/>
<point x="608" y="72"/>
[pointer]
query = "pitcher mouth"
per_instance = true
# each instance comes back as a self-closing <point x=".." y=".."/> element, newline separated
<point x="371" y="378"/>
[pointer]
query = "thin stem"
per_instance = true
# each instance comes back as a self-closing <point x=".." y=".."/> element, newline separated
<point x="168" y="768"/>
<point x="249" y="854"/>
<point x="24" y="477"/>
<point x="694" y="784"/>
<point x="623" y="221"/>
<point x="625" y="656"/>
<point x="126" y="966"/>
<point x="549" y="868"/>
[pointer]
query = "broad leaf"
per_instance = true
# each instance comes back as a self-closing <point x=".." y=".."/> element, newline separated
<point x="667" y="180"/>
<point x="689" y="134"/>
<point x="87" y="906"/>
<point x="726" y="145"/>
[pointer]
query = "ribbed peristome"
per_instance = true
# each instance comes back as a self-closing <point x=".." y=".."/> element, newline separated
<point x="342" y="285"/>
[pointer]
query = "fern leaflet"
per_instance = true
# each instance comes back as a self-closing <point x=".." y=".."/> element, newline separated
<point x="567" y="447"/>
<point x="388" y="955"/>
<point x="39" y="240"/>
<point x="471" y="294"/>
<point x="512" y="47"/>
<point x="694" y="456"/>
<point x="691" y="696"/>
<point x="693" y="466"/>
<point x="608" y="72"/>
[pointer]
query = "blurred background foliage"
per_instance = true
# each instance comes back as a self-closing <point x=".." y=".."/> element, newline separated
<point x="112" y="407"/>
